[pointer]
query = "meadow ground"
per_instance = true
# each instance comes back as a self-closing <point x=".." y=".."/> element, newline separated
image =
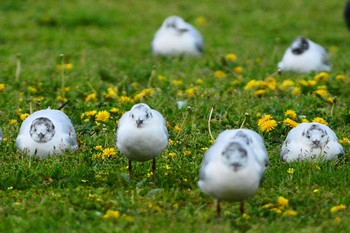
<point x="107" y="67"/>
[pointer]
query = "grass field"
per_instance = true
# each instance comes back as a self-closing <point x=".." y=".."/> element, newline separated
<point x="108" y="66"/>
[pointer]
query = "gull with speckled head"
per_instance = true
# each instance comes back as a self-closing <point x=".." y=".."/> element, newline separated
<point x="304" y="56"/>
<point x="311" y="141"/>
<point x="46" y="132"/>
<point x="142" y="135"/>
<point x="176" y="37"/>
<point x="231" y="170"/>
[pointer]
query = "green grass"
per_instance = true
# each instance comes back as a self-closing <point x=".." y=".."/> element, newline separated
<point x="108" y="44"/>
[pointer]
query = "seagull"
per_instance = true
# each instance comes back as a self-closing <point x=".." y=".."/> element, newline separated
<point x="230" y="171"/>
<point x="252" y="139"/>
<point x="347" y="13"/>
<point x="309" y="141"/>
<point x="142" y="135"/>
<point x="46" y="132"/>
<point x="176" y="37"/>
<point x="304" y="56"/>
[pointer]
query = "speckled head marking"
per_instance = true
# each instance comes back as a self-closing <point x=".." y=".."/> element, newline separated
<point x="140" y="113"/>
<point x="244" y="137"/>
<point x="42" y="130"/>
<point x="316" y="135"/>
<point x="176" y="23"/>
<point x="300" y="45"/>
<point x="235" y="155"/>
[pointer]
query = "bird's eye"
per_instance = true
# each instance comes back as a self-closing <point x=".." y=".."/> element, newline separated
<point x="132" y="116"/>
<point x="308" y="136"/>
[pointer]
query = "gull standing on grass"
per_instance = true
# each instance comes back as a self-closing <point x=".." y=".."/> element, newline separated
<point x="231" y="170"/>
<point x="176" y="37"/>
<point x="142" y="135"/>
<point x="310" y="141"/>
<point x="304" y="56"/>
<point x="46" y="132"/>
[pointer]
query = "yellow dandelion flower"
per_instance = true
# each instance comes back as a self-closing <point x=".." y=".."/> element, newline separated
<point x="315" y="190"/>
<point x="266" y="117"/>
<point x="340" y="77"/>
<point x="303" y="83"/>
<point x="177" y="128"/>
<point x="201" y="21"/>
<point x="290" y="171"/>
<point x="291" y="114"/>
<point x="252" y="84"/>
<point x="98" y="147"/>
<point x="90" y="97"/>
<point x="149" y="174"/>
<point x="143" y="93"/>
<point x="102" y="115"/>
<point x="4" y="139"/>
<point x="219" y="74"/>
<point x="199" y="81"/>
<point x="259" y="93"/>
<point x="291" y="123"/>
<point x="125" y="99"/>
<point x="172" y="154"/>
<point x="338" y="208"/>
<point x="2" y="87"/>
<point x="290" y="213"/>
<point x="111" y="93"/>
<point x="109" y="152"/>
<point x="111" y="214"/>
<point x="114" y="110"/>
<point x="276" y="210"/>
<point x="311" y="83"/>
<point x="187" y="152"/>
<point x="231" y="57"/>
<point x="323" y="76"/>
<point x="270" y="83"/>
<point x="13" y="122"/>
<point x="268" y="206"/>
<point x="344" y="140"/>
<point x="320" y="120"/>
<point x="337" y="220"/>
<point x="282" y="202"/>
<point x="32" y="89"/>
<point x="296" y="91"/>
<point x="23" y="116"/>
<point x="167" y="167"/>
<point x="171" y="142"/>
<point x="176" y="82"/>
<point x="161" y="78"/>
<point x="304" y="120"/>
<point x="61" y="99"/>
<point x="322" y="92"/>
<point x="286" y="84"/>
<point x="190" y="92"/>
<point x="91" y="113"/>
<point x="268" y="126"/>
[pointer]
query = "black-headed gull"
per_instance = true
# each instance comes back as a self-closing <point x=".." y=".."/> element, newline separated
<point x="310" y="141"/>
<point x="176" y="37"/>
<point x="230" y="171"/>
<point x="142" y="135"/>
<point x="46" y="132"/>
<point x="304" y="56"/>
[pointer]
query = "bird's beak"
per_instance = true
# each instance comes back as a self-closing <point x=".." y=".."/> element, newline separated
<point x="41" y="135"/>
<point x="139" y="123"/>
<point x="182" y="30"/>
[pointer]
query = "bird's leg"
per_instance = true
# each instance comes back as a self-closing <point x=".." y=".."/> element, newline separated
<point x="129" y="168"/>
<point x="242" y="207"/>
<point x="218" y="210"/>
<point x="154" y="171"/>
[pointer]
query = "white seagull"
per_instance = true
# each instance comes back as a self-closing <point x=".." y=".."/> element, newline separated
<point x="176" y="37"/>
<point x="230" y="171"/>
<point x="309" y="141"/>
<point x="142" y="135"/>
<point x="252" y="139"/>
<point x="304" y="56"/>
<point x="46" y="132"/>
